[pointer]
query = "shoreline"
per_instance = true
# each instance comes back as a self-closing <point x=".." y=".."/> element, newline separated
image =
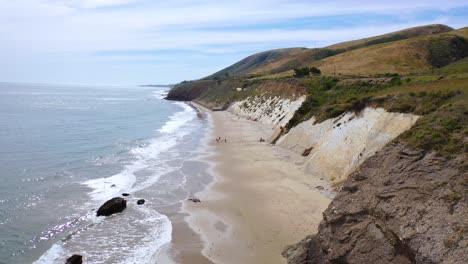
<point x="239" y="219"/>
<point x="186" y="245"/>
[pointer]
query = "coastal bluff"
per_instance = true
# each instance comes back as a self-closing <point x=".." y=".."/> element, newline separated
<point x="384" y="130"/>
<point x="394" y="203"/>
<point x="337" y="146"/>
<point x="400" y="206"/>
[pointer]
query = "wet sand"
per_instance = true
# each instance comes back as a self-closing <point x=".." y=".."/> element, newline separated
<point x="259" y="201"/>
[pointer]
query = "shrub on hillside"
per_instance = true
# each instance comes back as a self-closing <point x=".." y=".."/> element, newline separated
<point x="306" y="71"/>
<point x="447" y="50"/>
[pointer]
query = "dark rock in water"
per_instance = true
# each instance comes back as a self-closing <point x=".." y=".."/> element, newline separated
<point x="75" y="259"/>
<point x="141" y="201"/>
<point x="125" y="194"/>
<point x="195" y="200"/>
<point x="114" y="205"/>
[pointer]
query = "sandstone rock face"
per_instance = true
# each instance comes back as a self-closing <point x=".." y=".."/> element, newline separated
<point x="400" y="206"/>
<point x="114" y="205"/>
<point x="339" y="145"/>
<point x="273" y="110"/>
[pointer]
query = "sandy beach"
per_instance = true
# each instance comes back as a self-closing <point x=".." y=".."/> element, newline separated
<point x="259" y="201"/>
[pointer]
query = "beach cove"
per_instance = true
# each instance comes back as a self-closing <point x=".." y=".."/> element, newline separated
<point x="259" y="201"/>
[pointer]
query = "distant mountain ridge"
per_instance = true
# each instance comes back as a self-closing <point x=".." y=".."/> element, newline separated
<point x="283" y="60"/>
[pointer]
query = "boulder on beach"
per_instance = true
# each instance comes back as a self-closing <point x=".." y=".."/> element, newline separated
<point x="75" y="259"/>
<point x="125" y="194"/>
<point x="114" y="205"/>
<point x="141" y="201"/>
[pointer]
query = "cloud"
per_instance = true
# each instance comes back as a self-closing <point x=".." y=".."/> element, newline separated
<point x="68" y="31"/>
<point x="100" y="3"/>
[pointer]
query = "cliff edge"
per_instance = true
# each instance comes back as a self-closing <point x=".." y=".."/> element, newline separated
<point x="400" y="206"/>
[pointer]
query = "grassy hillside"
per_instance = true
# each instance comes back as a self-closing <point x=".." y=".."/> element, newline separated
<point x="442" y="103"/>
<point x="462" y="32"/>
<point x="413" y="55"/>
<point x="283" y="60"/>
<point x="250" y="64"/>
<point x="218" y="94"/>
<point x="394" y="36"/>
<point x="460" y="66"/>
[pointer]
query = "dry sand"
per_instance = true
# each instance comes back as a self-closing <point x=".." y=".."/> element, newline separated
<point x="260" y="200"/>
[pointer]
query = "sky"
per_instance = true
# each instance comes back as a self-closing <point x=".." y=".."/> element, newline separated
<point x="126" y="42"/>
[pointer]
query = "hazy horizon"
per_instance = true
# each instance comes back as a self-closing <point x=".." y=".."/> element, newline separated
<point x="135" y="42"/>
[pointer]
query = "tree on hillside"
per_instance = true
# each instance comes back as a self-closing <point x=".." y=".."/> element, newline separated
<point x="315" y="71"/>
<point x="301" y="72"/>
<point x="306" y="71"/>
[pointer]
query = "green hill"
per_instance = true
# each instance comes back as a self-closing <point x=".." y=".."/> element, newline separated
<point x="390" y="37"/>
<point x="283" y="60"/>
<point x="413" y="55"/>
<point x="460" y="66"/>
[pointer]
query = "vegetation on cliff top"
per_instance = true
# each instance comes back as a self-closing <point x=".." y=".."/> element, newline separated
<point x="441" y="103"/>
<point x="444" y="130"/>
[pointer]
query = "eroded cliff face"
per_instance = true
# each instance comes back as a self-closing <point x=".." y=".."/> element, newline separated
<point x="400" y="206"/>
<point x="266" y="109"/>
<point x="338" y="146"/>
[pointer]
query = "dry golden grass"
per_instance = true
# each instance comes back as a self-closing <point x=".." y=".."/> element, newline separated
<point x="266" y="68"/>
<point x="406" y="56"/>
<point x="406" y="33"/>
<point x="462" y="32"/>
<point x="364" y="57"/>
<point x="403" y="57"/>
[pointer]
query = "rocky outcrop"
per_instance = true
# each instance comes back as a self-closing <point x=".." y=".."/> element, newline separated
<point x="339" y="145"/>
<point x="400" y="206"/>
<point x="188" y="91"/>
<point x="114" y="205"/>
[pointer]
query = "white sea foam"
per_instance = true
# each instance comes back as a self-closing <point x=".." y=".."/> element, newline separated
<point x="160" y="94"/>
<point x="53" y="255"/>
<point x="105" y="188"/>
<point x="171" y="133"/>
<point x="154" y="239"/>
<point x="178" y="119"/>
<point x="139" y="238"/>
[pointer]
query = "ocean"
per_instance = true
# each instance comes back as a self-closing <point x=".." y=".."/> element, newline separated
<point x="65" y="150"/>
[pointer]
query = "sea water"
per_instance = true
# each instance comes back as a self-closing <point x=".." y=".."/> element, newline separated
<point x="65" y="150"/>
